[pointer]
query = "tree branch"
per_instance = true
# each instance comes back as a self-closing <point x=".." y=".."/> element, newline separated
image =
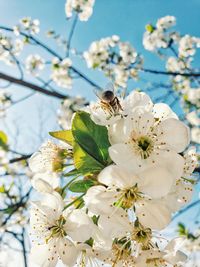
<point x="24" y="157"/>
<point x="31" y="86"/>
<point x="52" y="52"/>
<point x="71" y="34"/>
<point x="191" y="74"/>
<point x="193" y="204"/>
<point x="24" y="248"/>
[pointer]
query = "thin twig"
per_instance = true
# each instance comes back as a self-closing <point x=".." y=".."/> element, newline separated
<point x="191" y="74"/>
<point x="71" y="34"/>
<point x="193" y="204"/>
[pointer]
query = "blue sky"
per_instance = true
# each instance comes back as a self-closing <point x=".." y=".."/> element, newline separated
<point x="126" y="18"/>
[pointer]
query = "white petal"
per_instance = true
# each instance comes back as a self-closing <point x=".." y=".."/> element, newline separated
<point x="140" y="121"/>
<point x="172" y="161"/>
<point x="171" y="202"/>
<point x="53" y="201"/>
<point x="120" y="131"/>
<point x="184" y="192"/>
<point x="163" y="111"/>
<point x="98" y="200"/>
<point x="101" y="117"/>
<point x="116" y="177"/>
<point x="41" y="186"/>
<point x="135" y="99"/>
<point x="67" y="252"/>
<point x="44" y="255"/>
<point x="49" y="177"/>
<point x="116" y="224"/>
<point x="156" y="182"/>
<point x="36" y="163"/>
<point x="101" y="239"/>
<point x="153" y="214"/>
<point x="79" y="226"/>
<point x="177" y="258"/>
<point x="175" y="134"/>
<point x="124" y="156"/>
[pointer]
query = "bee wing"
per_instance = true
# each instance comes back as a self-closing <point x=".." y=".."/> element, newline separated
<point x="110" y="87"/>
<point x="98" y="93"/>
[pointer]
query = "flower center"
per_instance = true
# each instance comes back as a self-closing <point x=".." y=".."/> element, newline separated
<point x="59" y="158"/>
<point x="57" y="230"/>
<point x="129" y="197"/>
<point x="142" y="235"/>
<point x="142" y="145"/>
<point x="121" y="251"/>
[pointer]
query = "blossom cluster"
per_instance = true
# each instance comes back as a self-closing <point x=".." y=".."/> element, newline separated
<point x="129" y="169"/>
<point x="157" y="37"/>
<point x="61" y="72"/>
<point x="13" y="203"/>
<point x="9" y="48"/>
<point x="5" y="102"/>
<point x="183" y="49"/>
<point x="83" y="8"/>
<point x="34" y="64"/>
<point x="27" y="24"/>
<point x="117" y="59"/>
<point x="67" y="108"/>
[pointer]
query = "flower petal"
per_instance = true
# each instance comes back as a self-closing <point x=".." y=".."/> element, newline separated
<point x="78" y="225"/>
<point x="115" y="225"/>
<point x="156" y="182"/>
<point x="135" y="99"/>
<point x="116" y="177"/>
<point x="67" y="251"/>
<point x="98" y="200"/>
<point x="153" y="214"/>
<point x="36" y="163"/>
<point x="49" y="177"/>
<point x="163" y="111"/>
<point x="175" y="134"/>
<point x="120" y="131"/>
<point x="44" y="255"/>
<point x="124" y="156"/>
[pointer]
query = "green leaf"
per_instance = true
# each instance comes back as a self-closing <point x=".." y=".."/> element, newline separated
<point x="92" y="140"/>
<point x="65" y="135"/>
<point x="73" y="172"/>
<point x="3" y="140"/>
<point x="85" y="163"/>
<point x="81" y="186"/>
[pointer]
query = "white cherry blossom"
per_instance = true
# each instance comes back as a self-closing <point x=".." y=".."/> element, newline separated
<point x="54" y="229"/>
<point x="61" y="72"/>
<point x="68" y="108"/>
<point x="126" y="190"/>
<point x="140" y="140"/>
<point x="34" y="64"/>
<point x="108" y="116"/>
<point x="84" y="8"/>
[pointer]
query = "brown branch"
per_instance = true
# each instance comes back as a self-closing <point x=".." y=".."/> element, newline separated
<point x="191" y="74"/>
<point x="193" y="204"/>
<point x="31" y="86"/>
<point x="24" y="157"/>
<point x="52" y="52"/>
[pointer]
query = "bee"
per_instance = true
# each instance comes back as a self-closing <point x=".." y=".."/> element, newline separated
<point x="109" y="102"/>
